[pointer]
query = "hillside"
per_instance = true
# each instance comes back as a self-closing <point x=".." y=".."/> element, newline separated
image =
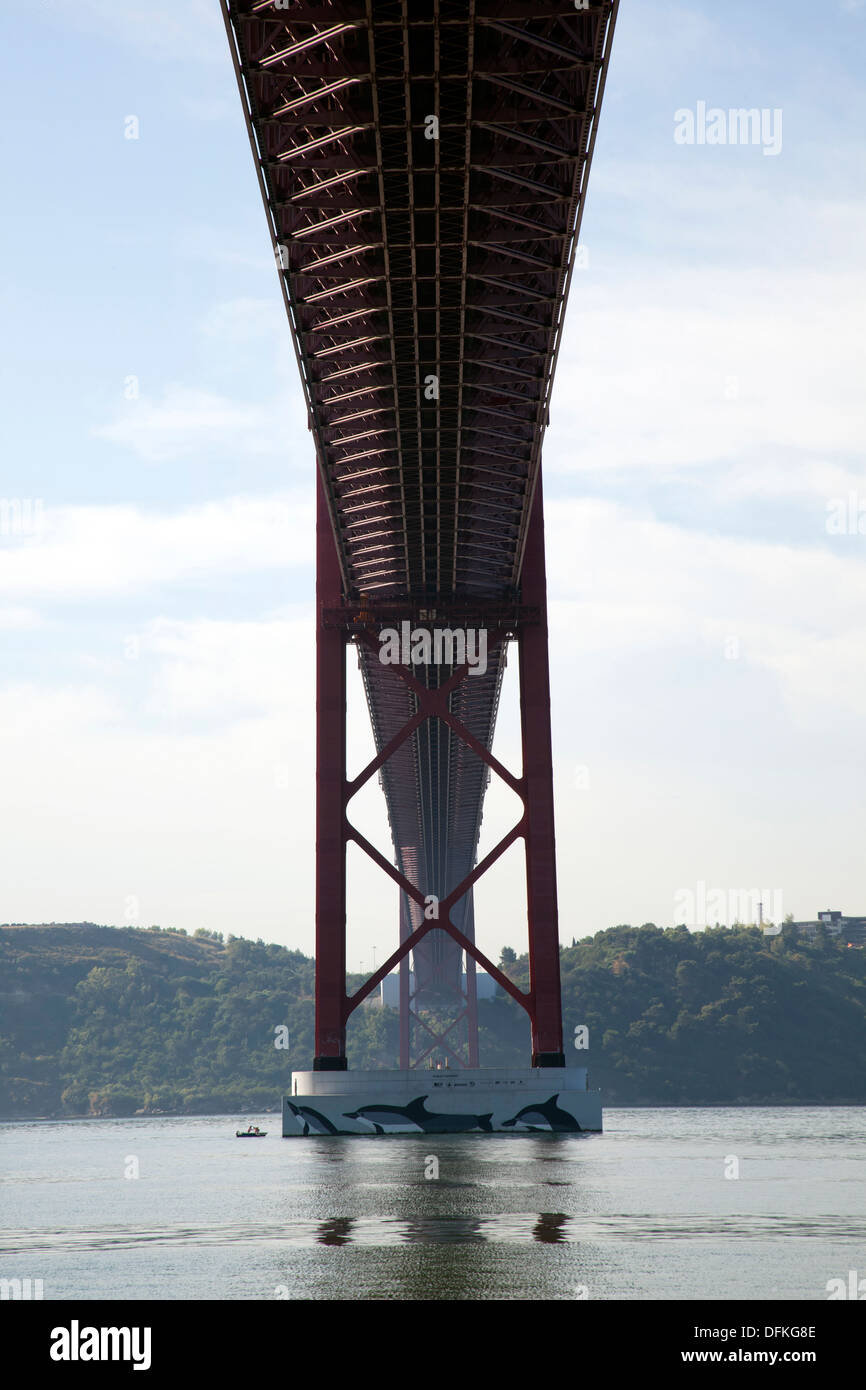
<point x="104" y="1020"/>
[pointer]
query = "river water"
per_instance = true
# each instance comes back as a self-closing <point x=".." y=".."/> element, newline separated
<point x="665" y="1204"/>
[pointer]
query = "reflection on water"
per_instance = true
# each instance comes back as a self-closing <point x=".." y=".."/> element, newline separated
<point x="359" y="1218"/>
<point x="337" y="1232"/>
<point x="550" y="1228"/>
<point x="435" y="1230"/>
<point x="443" y="1230"/>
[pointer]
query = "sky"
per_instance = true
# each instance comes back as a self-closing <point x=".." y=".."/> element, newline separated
<point x="705" y="493"/>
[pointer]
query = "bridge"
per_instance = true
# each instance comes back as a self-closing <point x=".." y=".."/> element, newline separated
<point x="423" y="166"/>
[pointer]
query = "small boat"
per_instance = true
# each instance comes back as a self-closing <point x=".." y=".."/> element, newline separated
<point x="250" y="1133"/>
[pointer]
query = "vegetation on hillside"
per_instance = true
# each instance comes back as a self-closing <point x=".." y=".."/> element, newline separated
<point x="100" y="1020"/>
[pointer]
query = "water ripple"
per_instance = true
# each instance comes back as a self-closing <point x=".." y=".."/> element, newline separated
<point x="517" y="1227"/>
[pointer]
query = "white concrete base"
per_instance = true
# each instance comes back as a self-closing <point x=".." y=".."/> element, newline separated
<point x="507" y="1100"/>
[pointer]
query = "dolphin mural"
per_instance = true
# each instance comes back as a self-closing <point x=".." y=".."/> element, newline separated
<point x="416" y="1113"/>
<point x="313" y="1121"/>
<point x="544" y="1116"/>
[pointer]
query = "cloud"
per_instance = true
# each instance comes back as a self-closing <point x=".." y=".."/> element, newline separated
<point x="806" y="478"/>
<point x="180" y="789"/>
<point x="216" y="668"/>
<point x="187" y="422"/>
<point x="630" y="585"/>
<point x="18" y="619"/>
<point x="114" y="551"/>
<point x="27" y="711"/>
<point x="706" y="697"/>
<point x="693" y="367"/>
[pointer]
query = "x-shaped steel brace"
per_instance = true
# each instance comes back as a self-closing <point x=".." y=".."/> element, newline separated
<point x="433" y="704"/>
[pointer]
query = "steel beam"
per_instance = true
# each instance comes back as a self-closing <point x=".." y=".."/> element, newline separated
<point x="547" y="1050"/>
<point x="330" y="804"/>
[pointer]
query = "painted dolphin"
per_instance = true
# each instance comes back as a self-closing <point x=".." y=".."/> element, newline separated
<point x="546" y="1116"/>
<point x="417" y="1114"/>
<point x="313" y="1120"/>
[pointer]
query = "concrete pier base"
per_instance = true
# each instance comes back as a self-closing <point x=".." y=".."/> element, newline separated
<point x="507" y="1100"/>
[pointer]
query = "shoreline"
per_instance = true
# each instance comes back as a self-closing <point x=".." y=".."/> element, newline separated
<point x="275" y="1110"/>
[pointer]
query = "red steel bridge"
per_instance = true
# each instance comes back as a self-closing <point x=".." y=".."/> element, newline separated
<point x="424" y="166"/>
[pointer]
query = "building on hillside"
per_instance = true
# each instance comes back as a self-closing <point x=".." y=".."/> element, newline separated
<point x="851" y="930"/>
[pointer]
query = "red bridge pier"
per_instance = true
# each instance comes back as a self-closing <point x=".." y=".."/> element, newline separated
<point x="334" y="830"/>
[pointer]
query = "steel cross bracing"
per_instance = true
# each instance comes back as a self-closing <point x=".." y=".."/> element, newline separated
<point x="424" y="165"/>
